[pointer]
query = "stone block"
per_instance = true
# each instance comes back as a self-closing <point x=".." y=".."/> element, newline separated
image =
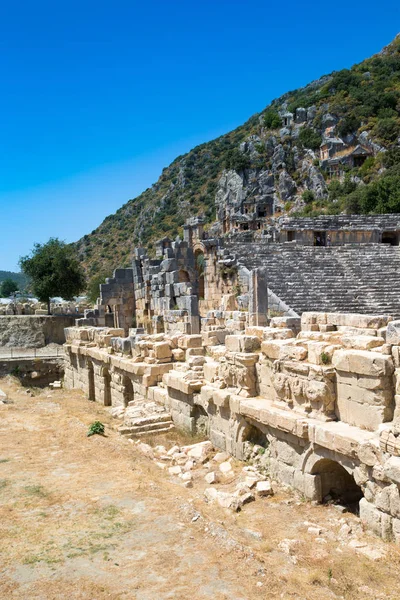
<point x="190" y="341"/>
<point x="363" y="362"/>
<point x="242" y="343"/>
<point x="391" y="469"/>
<point x="393" y="333"/>
<point x="364" y="416"/>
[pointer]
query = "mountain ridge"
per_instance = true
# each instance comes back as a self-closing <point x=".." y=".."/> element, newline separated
<point x="361" y="107"/>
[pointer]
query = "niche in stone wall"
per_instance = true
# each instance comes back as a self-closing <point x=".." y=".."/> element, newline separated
<point x="91" y="386"/>
<point x="337" y="485"/>
<point x="128" y="390"/>
<point x="201" y="420"/>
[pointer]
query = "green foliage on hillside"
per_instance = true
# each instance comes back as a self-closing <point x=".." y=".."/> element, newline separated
<point x="363" y="98"/>
<point x="8" y="287"/>
<point x="20" y="278"/>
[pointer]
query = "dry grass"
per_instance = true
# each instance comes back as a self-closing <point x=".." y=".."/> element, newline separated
<point x="91" y="518"/>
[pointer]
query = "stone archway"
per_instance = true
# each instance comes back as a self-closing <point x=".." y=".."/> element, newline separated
<point x="337" y="484"/>
<point x="128" y="392"/>
<point x="91" y="386"/>
<point x="200" y="266"/>
<point x="106" y="387"/>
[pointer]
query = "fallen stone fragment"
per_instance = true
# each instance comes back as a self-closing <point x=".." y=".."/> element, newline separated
<point x="221" y="457"/>
<point x="314" y="531"/>
<point x="211" y="477"/>
<point x="264" y="488"/>
<point x="225" y="467"/>
<point x="176" y="470"/>
<point x="145" y="449"/>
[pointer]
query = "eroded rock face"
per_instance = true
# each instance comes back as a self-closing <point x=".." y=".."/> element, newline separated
<point x="286" y="186"/>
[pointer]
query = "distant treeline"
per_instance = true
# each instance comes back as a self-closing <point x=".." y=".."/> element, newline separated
<point x="21" y="279"/>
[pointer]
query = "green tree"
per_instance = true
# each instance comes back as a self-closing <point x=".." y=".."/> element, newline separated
<point x="54" y="271"/>
<point x="93" y="291"/>
<point x="8" y="287"/>
<point x="272" y="120"/>
<point x="310" y="138"/>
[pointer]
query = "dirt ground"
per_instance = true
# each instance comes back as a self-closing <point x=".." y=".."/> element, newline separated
<point x="92" y="518"/>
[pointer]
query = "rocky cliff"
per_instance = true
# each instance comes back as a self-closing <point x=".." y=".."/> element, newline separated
<point x="331" y="147"/>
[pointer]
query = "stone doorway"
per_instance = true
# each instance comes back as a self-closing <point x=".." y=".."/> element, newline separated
<point x="337" y="485"/>
<point x="107" y="387"/>
<point x="128" y="390"/>
<point x="91" y="386"/>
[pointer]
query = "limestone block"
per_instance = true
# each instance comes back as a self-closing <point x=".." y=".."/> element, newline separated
<point x="256" y="331"/>
<point x="355" y="393"/>
<point x="317" y="351"/>
<point x="313" y="318"/>
<point x="272" y="348"/>
<point x="295" y="352"/>
<point x="178" y="354"/>
<point x="363" y="362"/>
<point x="364" y="416"/>
<point x="371" y="516"/>
<point x="393" y="333"/>
<point x="211" y="370"/>
<point x="358" y="320"/>
<point x="242" y="343"/>
<point x="362" y="342"/>
<point x="190" y="341"/>
<point x="391" y="469"/>
<point x="293" y="323"/>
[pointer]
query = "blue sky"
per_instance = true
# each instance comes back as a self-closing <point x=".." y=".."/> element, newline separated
<point x="97" y="97"/>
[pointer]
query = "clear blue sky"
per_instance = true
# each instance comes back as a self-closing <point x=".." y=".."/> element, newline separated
<point x="97" y="97"/>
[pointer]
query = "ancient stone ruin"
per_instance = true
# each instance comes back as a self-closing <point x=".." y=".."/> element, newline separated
<point x="284" y="344"/>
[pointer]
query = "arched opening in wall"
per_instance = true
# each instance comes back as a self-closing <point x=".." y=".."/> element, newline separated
<point x="255" y="444"/>
<point x="91" y="387"/>
<point x="107" y="387"/>
<point x="337" y="485"/>
<point x="128" y="390"/>
<point x="200" y="271"/>
<point x="183" y="276"/>
<point x="201" y="421"/>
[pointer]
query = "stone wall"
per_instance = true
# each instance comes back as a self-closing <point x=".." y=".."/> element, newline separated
<point x="33" y="331"/>
<point x="36" y="372"/>
<point x="320" y="395"/>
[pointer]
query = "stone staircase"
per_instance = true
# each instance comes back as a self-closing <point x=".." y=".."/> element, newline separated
<point x="363" y="278"/>
<point x="143" y="418"/>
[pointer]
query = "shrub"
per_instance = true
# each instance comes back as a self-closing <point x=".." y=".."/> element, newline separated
<point x="272" y="120"/>
<point x="387" y="129"/>
<point x="96" y="428"/>
<point x="308" y="196"/>
<point x="310" y="138"/>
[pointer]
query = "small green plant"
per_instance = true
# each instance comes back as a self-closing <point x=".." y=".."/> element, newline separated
<point x="4" y="460"/>
<point x="325" y="358"/>
<point x="96" y="428"/>
<point x="16" y="371"/>
<point x="261" y="451"/>
<point x="36" y="490"/>
<point x="330" y="574"/>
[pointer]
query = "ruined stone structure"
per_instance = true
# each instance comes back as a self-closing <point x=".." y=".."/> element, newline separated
<point x="192" y="339"/>
<point x="319" y="394"/>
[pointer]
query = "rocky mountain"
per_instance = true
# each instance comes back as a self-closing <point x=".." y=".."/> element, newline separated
<point x="330" y="147"/>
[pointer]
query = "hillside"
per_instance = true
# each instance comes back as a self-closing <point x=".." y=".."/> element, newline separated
<point x="276" y="154"/>
<point x="19" y="278"/>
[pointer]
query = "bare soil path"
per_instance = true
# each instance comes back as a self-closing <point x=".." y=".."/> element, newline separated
<point x="92" y="518"/>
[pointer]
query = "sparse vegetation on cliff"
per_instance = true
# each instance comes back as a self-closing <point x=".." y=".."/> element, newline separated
<point x="362" y="104"/>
